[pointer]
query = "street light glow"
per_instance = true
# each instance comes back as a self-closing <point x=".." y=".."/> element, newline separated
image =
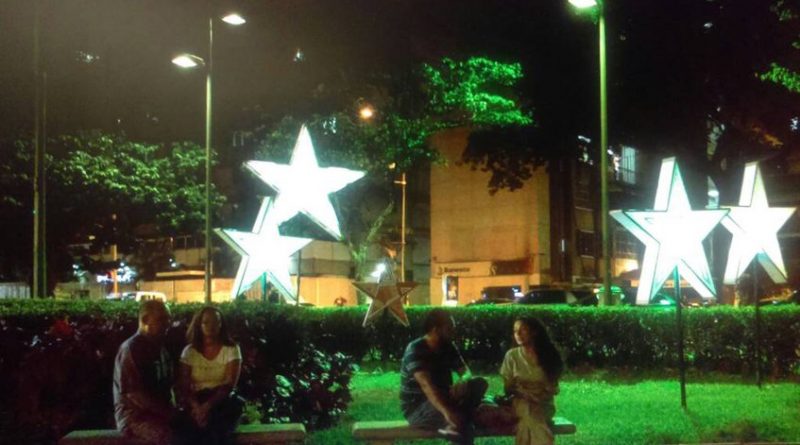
<point x="234" y="19"/>
<point x="366" y="112"/>
<point x="583" y="4"/>
<point x="188" y="61"/>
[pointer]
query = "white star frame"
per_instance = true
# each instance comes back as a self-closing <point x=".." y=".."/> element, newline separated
<point x="754" y="226"/>
<point x="673" y="236"/>
<point x="385" y="294"/>
<point x="263" y="251"/>
<point x="303" y="186"/>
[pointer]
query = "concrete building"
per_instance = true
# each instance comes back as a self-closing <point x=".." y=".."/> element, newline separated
<point x="479" y="240"/>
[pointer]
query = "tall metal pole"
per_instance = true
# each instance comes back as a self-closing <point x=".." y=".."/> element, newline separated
<point x="601" y="29"/>
<point x="757" y="339"/>
<point x="39" y="181"/>
<point x="209" y="70"/>
<point x="403" y="228"/>
<point x="679" y="315"/>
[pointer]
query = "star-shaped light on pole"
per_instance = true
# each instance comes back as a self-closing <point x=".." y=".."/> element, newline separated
<point x="387" y="293"/>
<point x="264" y="251"/>
<point x="754" y="226"/>
<point x="303" y="186"/>
<point x="673" y="235"/>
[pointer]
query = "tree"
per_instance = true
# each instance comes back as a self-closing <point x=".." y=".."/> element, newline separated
<point x="411" y="106"/>
<point x="102" y="189"/>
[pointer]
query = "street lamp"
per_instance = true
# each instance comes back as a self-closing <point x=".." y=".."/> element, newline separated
<point x="601" y="33"/>
<point x="193" y="61"/>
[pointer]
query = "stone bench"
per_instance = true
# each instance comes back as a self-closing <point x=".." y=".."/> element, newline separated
<point x="386" y="432"/>
<point x="253" y="434"/>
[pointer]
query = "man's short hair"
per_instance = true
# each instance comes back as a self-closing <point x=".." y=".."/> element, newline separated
<point x="436" y="318"/>
<point x="150" y="306"/>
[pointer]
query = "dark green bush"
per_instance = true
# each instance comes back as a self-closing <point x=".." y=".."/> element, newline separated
<point x="57" y="383"/>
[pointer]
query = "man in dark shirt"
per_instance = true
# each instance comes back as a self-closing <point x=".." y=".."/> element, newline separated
<point x="428" y="397"/>
<point x="143" y="378"/>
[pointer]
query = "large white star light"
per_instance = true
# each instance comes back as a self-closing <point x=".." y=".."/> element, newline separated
<point x="263" y="251"/>
<point x="754" y="226"/>
<point x="303" y="186"/>
<point x="673" y="235"/>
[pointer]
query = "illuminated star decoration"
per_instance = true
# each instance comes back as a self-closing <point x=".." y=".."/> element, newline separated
<point x="264" y="251"/>
<point x="387" y="293"/>
<point x="673" y="235"/>
<point x="754" y="226"/>
<point x="303" y="186"/>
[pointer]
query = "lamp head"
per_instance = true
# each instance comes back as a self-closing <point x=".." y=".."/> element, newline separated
<point x="583" y="4"/>
<point x="234" y="19"/>
<point x="188" y="60"/>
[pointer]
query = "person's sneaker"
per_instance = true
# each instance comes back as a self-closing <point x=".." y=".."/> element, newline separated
<point x="449" y="432"/>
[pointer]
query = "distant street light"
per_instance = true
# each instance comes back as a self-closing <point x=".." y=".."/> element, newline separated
<point x="605" y="241"/>
<point x="192" y="61"/>
<point x="366" y="112"/>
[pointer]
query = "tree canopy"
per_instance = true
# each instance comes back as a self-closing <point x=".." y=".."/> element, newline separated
<point x="102" y="189"/>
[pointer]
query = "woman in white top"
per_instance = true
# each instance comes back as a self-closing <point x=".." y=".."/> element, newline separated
<point x="209" y="371"/>
<point x="530" y="374"/>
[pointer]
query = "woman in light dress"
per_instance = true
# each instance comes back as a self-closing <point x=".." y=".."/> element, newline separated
<point x="530" y="374"/>
<point x="209" y="371"/>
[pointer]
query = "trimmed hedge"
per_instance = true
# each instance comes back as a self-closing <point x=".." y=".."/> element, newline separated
<point x="718" y="338"/>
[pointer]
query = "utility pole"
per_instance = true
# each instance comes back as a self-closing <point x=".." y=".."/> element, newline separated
<point x="39" y="178"/>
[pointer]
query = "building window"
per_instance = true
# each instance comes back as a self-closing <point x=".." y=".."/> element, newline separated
<point x="624" y="244"/>
<point x="585" y="243"/>
<point x="627" y="167"/>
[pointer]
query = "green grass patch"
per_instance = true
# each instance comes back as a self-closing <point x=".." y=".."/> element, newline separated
<point x="620" y="411"/>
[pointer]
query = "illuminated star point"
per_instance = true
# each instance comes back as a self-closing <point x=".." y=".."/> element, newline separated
<point x="754" y="226"/>
<point x="387" y="293"/>
<point x="673" y="235"/>
<point x="263" y="251"/>
<point x="303" y="186"/>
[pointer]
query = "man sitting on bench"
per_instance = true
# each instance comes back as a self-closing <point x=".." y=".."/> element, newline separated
<point x="428" y="398"/>
<point x="143" y="378"/>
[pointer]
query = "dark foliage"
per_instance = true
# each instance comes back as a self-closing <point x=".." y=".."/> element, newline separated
<point x="56" y="382"/>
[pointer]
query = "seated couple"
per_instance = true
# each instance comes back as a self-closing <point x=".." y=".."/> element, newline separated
<point x="207" y="410"/>
<point x="530" y="373"/>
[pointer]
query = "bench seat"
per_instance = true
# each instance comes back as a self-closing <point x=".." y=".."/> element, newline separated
<point x="253" y="434"/>
<point x="386" y="432"/>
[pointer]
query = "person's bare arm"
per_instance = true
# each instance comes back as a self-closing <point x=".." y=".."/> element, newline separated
<point x="184" y="387"/>
<point x="437" y="399"/>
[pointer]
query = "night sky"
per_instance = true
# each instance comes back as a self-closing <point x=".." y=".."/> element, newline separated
<point x="670" y="62"/>
<point x="134" y="87"/>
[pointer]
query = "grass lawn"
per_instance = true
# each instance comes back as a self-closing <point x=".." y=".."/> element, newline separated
<point x="621" y="411"/>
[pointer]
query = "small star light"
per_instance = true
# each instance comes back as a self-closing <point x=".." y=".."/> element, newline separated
<point x="754" y="226"/>
<point x="673" y="235"/>
<point x="386" y="293"/>
<point x="303" y="187"/>
<point x="263" y="251"/>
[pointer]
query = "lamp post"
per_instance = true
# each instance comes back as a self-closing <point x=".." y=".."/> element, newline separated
<point x="192" y="61"/>
<point x="601" y="34"/>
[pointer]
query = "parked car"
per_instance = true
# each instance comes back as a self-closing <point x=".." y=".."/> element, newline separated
<point x="501" y="293"/>
<point x="494" y="301"/>
<point x="792" y="298"/>
<point x="574" y="297"/>
<point x="136" y="296"/>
